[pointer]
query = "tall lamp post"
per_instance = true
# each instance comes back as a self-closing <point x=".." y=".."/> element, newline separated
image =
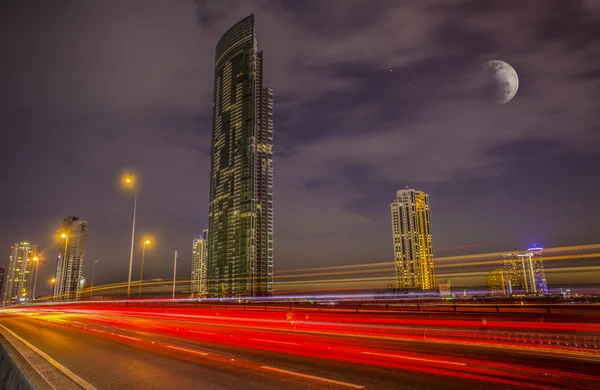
<point x="37" y="267"/>
<point x="93" y="271"/>
<point x="129" y="181"/>
<point x="146" y="242"/>
<point x="174" y="273"/>
<point x="30" y="288"/>
<point x="52" y="281"/>
<point x="60" y="278"/>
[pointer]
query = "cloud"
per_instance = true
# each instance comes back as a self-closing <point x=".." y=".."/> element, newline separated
<point x="439" y="130"/>
<point x="454" y="128"/>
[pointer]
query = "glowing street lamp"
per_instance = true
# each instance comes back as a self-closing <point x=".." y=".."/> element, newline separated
<point x="37" y="267"/>
<point x="129" y="181"/>
<point x="146" y="242"/>
<point x="65" y="236"/>
<point x="52" y="281"/>
<point x="93" y="271"/>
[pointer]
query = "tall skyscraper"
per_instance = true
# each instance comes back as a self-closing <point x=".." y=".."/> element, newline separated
<point x="18" y="279"/>
<point x="413" y="243"/>
<point x="71" y="251"/>
<point x="240" y="253"/>
<point x="199" y="259"/>
<point x="525" y="270"/>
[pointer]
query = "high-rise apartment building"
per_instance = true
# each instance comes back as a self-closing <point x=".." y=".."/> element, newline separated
<point x="498" y="283"/>
<point x="199" y="260"/>
<point x="413" y="243"/>
<point x="71" y="251"/>
<point x="525" y="270"/>
<point x="18" y="278"/>
<point x="240" y="253"/>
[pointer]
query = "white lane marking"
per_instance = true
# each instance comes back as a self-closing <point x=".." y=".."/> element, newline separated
<point x="414" y="358"/>
<point x="277" y="342"/>
<point x="200" y="332"/>
<point x="187" y="350"/>
<point x="317" y="378"/>
<point x="70" y="374"/>
<point x="98" y="330"/>
<point x="128" y="337"/>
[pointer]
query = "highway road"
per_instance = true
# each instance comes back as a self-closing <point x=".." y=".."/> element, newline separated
<point x="157" y="349"/>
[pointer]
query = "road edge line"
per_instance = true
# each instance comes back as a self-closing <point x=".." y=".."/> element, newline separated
<point x="318" y="378"/>
<point x="28" y="361"/>
<point x="70" y="374"/>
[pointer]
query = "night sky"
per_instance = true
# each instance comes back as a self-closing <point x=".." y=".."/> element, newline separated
<point x="370" y="97"/>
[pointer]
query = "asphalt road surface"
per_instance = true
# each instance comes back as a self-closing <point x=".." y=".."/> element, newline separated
<point x="119" y="351"/>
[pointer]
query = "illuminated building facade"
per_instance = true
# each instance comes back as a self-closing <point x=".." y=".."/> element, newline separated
<point x="199" y="259"/>
<point x="240" y="253"/>
<point x="18" y="278"/>
<point x="539" y="273"/>
<point x="445" y="289"/>
<point x="413" y="243"/>
<point x="498" y="283"/>
<point x="71" y="252"/>
<point x="525" y="271"/>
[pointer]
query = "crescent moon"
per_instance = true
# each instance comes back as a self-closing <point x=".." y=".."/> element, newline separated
<point x="505" y="77"/>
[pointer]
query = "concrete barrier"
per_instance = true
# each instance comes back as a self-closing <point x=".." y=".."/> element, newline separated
<point x="13" y="374"/>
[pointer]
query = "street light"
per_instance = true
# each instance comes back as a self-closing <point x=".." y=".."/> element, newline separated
<point x="146" y="242"/>
<point x="130" y="182"/>
<point x="93" y="270"/>
<point x="62" y="267"/>
<point x="29" y="289"/>
<point x="37" y="267"/>
<point x="52" y="281"/>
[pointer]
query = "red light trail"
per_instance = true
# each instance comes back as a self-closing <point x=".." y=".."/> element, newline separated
<point x="419" y="343"/>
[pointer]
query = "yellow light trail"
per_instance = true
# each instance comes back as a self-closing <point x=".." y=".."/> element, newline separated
<point x="544" y="259"/>
<point x="448" y="258"/>
<point x="386" y="267"/>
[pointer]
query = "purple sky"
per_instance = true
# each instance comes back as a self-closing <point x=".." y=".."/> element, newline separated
<point x="370" y="97"/>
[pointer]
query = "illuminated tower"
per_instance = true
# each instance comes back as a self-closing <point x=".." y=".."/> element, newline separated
<point x="413" y="244"/>
<point x="525" y="270"/>
<point x="18" y="278"/>
<point x="539" y="273"/>
<point x="199" y="259"/>
<point x="71" y="251"/>
<point x="240" y="253"/>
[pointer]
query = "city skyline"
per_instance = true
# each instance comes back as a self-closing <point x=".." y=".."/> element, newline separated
<point x="360" y="194"/>
<point x="329" y="96"/>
